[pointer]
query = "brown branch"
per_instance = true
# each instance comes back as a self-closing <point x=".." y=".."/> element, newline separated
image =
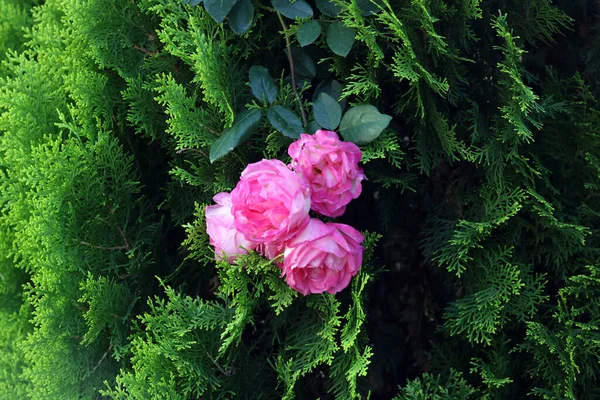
<point x="191" y="149"/>
<point x="118" y="228"/>
<point x="226" y="373"/>
<point x="125" y="242"/>
<point x="145" y="51"/>
<point x="291" y="61"/>
<point x="208" y="128"/>
<point x="102" y="359"/>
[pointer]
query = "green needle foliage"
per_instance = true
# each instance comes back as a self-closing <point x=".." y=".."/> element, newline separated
<point x="480" y="130"/>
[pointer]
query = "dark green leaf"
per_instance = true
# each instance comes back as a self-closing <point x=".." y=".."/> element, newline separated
<point x="327" y="111"/>
<point x="308" y="32"/>
<point x="363" y="124"/>
<point x="312" y="127"/>
<point x="298" y="9"/>
<point x="218" y="9"/>
<point x="301" y="81"/>
<point x="241" y="16"/>
<point x="330" y="86"/>
<point x="340" y="38"/>
<point x="369" y="7"/>
<point x="262" y="85"/>
<point x="192" y="2"/>
<point x="285" y="121"/>
<point x="243" y="127"/>
<point x="303" y="63"/>
<point x="328" y="7"/>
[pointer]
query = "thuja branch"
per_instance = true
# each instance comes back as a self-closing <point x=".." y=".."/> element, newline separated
<point x="291" y="61"/>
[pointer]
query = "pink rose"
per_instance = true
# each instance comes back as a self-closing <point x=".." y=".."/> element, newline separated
<point x="270" y="202"/>
<point x="331" y="168"/>
<point x="322" y="257"/>
<point x="220" y="228"/>
<point x="271" y="251"/>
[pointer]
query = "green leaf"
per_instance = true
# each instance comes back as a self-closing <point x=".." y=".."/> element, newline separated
<point x="327" y="111"/>
<point x="363" y="124"/>
<point x="298" y="9"/>
<point x="312" y="127"/>
<point x="262" y="85"/>
<point x="285" y="121"/>
<point x="241" y="16"/>
<point x="218" y="9"/>
<point x="340" y="38"/>
<point x="369" y="7"/>
<point x="328" y="7"/>
<point x="192" y="2"/>
<point x="309" y="32"/>
<point x="303" y="63"/>
<point x="301" y="81"/>
<point x="241" y="130"/>
<point x="330" y="86"/>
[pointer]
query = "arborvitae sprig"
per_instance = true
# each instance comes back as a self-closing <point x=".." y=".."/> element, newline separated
<point x="79" y="230"/>
<point x="565" y="354"/>
<point x="435" y="387"/>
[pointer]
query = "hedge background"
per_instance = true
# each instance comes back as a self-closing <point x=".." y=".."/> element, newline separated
<point x="481" y="274"/>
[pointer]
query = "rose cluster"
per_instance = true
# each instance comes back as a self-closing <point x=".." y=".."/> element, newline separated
<point x="268" y="211"/>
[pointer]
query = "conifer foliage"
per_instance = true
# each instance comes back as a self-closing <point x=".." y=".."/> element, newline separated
<point x="480" y="137"/>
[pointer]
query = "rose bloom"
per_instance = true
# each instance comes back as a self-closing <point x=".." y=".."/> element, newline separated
<point x="220" y="228"/>
<point x="323" y="257"/>
<point x="270" y="202"/>
<point x="331" y="168"/>
<point x="271" y="251"/>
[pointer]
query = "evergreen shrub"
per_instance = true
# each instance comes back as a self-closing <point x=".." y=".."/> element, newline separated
<point x="480" y="137"/>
